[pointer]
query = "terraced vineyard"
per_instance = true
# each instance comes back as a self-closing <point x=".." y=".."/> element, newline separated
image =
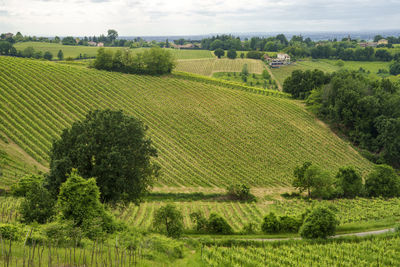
<point x="207" y="135"/>
<point x="207" y="67"/>
<point x="377" y="251"/>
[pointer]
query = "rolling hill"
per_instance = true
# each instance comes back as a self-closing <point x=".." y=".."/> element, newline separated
<point x="207" y="135"/>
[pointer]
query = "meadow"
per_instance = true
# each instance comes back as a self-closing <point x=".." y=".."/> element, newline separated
<point x="206" y="134"/>
<point x="207" y="67"/>
<point x="328" y="65"/>
<point x="89" y="51"/>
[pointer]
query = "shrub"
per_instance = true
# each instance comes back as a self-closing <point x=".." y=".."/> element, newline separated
<point x="38" y="205"/>
<point x="255" y="54"/>
<point x="170" y="247"/>
<point x="199" y="221"/>
<point x="218" y="225"/>
<point x="231" y="54"/>
<point x="11" y="232"/>
<point x="219" y="52"/>
<point x="62" y="233"/>
<point x="383" y="181"/>
<point x="319" y="223"/>
<point x="79" y="201"/>
<point x="250" y="228"/>
<point x="240" y="192"/>
<point x="270" y="224"/>
<point x="22" y="187"/>
<point x="169" y="220"/>
<point x="289" y="224"/>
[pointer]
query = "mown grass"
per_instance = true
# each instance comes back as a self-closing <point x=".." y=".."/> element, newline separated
<point x="206" y="135"/>
<point x="89" y="51"/>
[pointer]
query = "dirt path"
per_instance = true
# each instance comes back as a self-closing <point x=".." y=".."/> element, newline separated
<point x="377" y="232"/>
<point x="273" y="77"/>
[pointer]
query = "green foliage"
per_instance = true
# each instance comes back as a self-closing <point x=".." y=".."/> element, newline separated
<point x="11" y="232"/>
<point x="218" y="225"/>
<point x="79" y="201"/>
<point x="62" y="232"/>
<point x="300" y="83"/>
<point x="270" y="224"/>
<point x="153" y="61"/>
<point x="168" y="220"/>
<point x="199" y="221"/>
<point x="395" y="68"/>
<point x="60" y="55"/>
<point x="47" y="55"/>
<point x="240" y="192"/>
<point x="266" y="75"/>
<point x="255" y="54"/>
<point x="69" y="40"/>
<point x="109" y="146"/>
<point x="250" y="228"/>
<point x="7" y="48"/>
<point x="340" y="63"/>
<point x="231" y="54"/>
<point x="25" y="184"/>
<point x="319" y="223"/>
<point x="219" y="52"/>
<point x="289" y="224"/>
<point x="38" y="205"/>
<point x="383" y="181"/>
<point x="349" y="182"/>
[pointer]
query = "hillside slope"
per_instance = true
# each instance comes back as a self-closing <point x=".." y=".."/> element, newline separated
<point x="206" y="135"/>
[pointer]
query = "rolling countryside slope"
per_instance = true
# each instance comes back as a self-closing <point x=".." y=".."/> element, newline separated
<point x="207" y="135"/>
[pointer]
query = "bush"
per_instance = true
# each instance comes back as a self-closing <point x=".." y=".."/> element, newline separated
<point x="219" y="52"/>
<point x="25" y="184"/>
<point x="79" y="202"/>
<point x="319" y="223"/>
<point x="199" y="221"/>
<point x="383" y="181"/>
<point x="395" y="68"/>
<point x="218" y="225"/>
<point x="170" y="247"/>
<point x="255" y="54"/>
<point x="62" y="233"/>
<point x="250" y="228"/>
<point x="270" y="224"/>
<point x="11" y="232"/>
<point x="240" y="192"/>
<point x="38" y="205"/>
<point x="231" y="54"/>
<point x="289" y="224"/>
<point x="168" y="220"/>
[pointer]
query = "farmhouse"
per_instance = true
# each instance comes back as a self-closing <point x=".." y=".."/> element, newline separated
<point x="383" y="42"/>
<point x="91" y="43"/>
<point x="100" y="44"/>
<point x="280" y="60"/>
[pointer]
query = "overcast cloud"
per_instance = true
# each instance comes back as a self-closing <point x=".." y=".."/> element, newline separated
<point x="188" y="17"/>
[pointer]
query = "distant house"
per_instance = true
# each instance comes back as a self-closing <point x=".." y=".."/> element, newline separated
<point x="368" y="44"/>
<point x="267" y="58"/>
<point x="280" y="60"/>
<point x="8" y="35"/>
<point x="100" y="44"/>
<point x="77" y="40"/>
<point x="91" y="43"/>
<point x="185" y="46"/>
<point x="383" y="42"/>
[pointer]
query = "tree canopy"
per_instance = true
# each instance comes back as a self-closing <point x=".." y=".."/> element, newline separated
<point x="111" y="147"/>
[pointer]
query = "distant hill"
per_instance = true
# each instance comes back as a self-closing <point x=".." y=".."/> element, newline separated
<point x="206" y="134"/>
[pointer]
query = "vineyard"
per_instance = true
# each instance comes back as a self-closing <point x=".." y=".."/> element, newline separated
<point x="207" y="67"/>
<point x="350" y="212"/>
<point x="374" y="251"/>
<point x="207" y="134"/>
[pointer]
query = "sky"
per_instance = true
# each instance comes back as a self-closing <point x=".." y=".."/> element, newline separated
<point x="189" y="17"/>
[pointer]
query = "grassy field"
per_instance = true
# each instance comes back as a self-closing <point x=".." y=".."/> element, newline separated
<point x="207" y="67"/>
<point x="207" y="135"/>
<point x="327" y="65"/>
<point x="74" y="51"/>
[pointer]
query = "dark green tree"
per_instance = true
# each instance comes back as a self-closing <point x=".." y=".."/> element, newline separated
<point x="231" y="54"/>
<point x="218" y="225"/>
<point x="319" y="223"/>
<point x="25" y="184"/>
<point x="349" y="182"/>
<point x="395" y="68"/>
<point x="112" y="35"/>
<point x="270" y="224"/>
<point x="219" y="52"/>
<point x="111" y="147"/>
<point x="383" y="182"/>
<point x="48" y="55"/>
<point x="60" y="55"/>
<point x="168" y="220"/>
<point x="69" y="40"/>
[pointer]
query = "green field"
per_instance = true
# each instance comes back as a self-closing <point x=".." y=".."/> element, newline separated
<point x="74" y="51"/>
<point x="207" y="135"/>
<point x="327" y="65"/>
<point x="207" y="67"/>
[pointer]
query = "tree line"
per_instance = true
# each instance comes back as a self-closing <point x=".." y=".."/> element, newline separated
<point x="153" y="61"/>
<point x="366" y="111"/>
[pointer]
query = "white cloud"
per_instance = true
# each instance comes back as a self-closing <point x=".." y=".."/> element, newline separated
<point x="155" y="17"/>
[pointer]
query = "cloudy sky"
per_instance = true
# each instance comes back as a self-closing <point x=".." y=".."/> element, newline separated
<point x="190" y="17"/>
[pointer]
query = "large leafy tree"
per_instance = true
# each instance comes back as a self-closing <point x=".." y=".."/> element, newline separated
<point x="169" y="220"/>
<point x="320" y="223"/>
<point x="349" y="182"/>
<point x="383" y="181"/>
<point x="111" y="147"/>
